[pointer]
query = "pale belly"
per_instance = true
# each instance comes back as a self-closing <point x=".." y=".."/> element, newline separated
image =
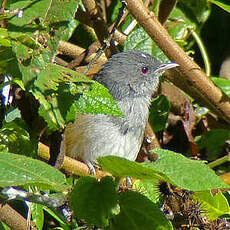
<point x="93" y="136"/>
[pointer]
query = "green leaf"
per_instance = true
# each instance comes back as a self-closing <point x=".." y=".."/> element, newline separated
<point x="47" y="11"/>
<point x="213" y="141"/>
<point x="121" y="167"/>
<point x="115" y="10"/>
<point x="139" y="40"/>
<point x="31" y="10"/>
<point x="37" y="215"/>
<point x="51" y="26"/>
<point x="6" y="57"/>
<point x="223" y="84"/>
<point x="56" y="217"/>
<point x="54" y="107"/>
<point x="181" y="171"/>
<point x="12" y="114"/>
<point x="67" y="92"/>
<point x="97" y="100"/>
<point x="93" y="201"/>
<point x="55" y="15"/>
<point x="214" y="206"/>
<point x="180" y="24"/>
<point x="159" y="111"/>
<point x="224" y="4"/>
<point x="33" y="67"/>
<point x="61" y="23"/>
<point x="196" y="9"/>
<point x="148" y="188"/>
<point x="15" y="138"/>
<point x="17" y="170"/>
<point x="32" y="61"/>
<point x="4" y="38"/>
<point x="138" y="212"/>
<point x="3" y="226"/>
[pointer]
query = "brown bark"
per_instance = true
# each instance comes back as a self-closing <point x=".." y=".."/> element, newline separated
<point x="12" y="218"/>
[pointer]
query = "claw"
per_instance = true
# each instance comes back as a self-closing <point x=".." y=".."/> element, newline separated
<point x="91" y="167"/>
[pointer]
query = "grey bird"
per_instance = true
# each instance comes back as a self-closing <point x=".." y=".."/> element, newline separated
<point x="131" y="78"/>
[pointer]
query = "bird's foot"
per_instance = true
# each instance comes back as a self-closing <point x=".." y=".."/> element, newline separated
<point x="129" y="182"/>
<point x="91" y="167"/>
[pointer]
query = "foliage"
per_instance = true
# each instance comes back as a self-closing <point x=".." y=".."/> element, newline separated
<point x="30" y="36"/>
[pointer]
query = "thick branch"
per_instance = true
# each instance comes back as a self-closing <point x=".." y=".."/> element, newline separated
<point x="12" y="218"/>
<point x="70" y="165"/>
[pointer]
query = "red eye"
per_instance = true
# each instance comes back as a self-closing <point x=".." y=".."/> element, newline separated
<point x="144" y="69"/>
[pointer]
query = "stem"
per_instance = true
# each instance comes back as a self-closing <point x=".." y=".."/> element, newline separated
<point x="219" y="161"/>
<point x="203" y="52"/>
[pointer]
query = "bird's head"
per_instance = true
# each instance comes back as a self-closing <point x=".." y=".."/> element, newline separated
<point x="132" y="74"/>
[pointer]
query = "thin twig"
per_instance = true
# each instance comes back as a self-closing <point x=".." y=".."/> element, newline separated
<point x="108" y="40"/>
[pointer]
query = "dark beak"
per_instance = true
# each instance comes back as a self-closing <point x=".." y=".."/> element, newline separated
<point x="161" y="68"/>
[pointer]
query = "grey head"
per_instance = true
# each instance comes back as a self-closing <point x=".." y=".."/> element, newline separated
<point x="132" y="74"/>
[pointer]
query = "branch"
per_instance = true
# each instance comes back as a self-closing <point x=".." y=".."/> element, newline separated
<point x="12" y="218"/>
<point x="99" y="24"/>
<point x="84" y="18"/>
<point x="166" y="7"/>
<point x="70" y="165"/>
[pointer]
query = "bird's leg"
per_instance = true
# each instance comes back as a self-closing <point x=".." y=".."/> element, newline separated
<point x="91" y="167"/>
<point x="129" y="181"/>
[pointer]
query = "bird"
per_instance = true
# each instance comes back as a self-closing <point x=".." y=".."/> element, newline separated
<point x="131" y="77"/>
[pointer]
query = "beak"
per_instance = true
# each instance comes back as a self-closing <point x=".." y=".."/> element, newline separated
<point x="161" y="68"/>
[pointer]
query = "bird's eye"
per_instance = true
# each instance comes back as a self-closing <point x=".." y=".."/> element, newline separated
<point x="144" y="69"/>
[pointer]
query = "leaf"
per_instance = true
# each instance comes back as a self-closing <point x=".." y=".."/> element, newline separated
<point x="93" y="201"/>
<point x="148" y="188"/>
<point x="3" y="226"/>
<point x="223" y="84"/>
<point x="51" y="26"/>
<point x="139" y="40"/>
<point x="198" y="9"/>
<point x="213" y="141"/>
<point x="115" y="10"/>
<point x="15" y="138"/>
<point x="214" y="206"/>
<point x="56" y="217"/>
<point x="30" y="61"/>
<point x="67" y="92"/>
<point x="6" y="57"/>
<point x="159" y="111"/>
<point x="33" y="65"/>
<point x="181" y="171"/>
<point x="31" y="10"/>
<point x="224" y="4"/>
<point x="121" y="167"/>
<point x="54" y="94"/>
<point x="138" y="212"/>
<point x="4" y="38"/>
<point x="97" y="100"/>
<point x="12" y="114"/>
<point x="180" y="24"/>
<point x="169" y="167"/>
<point x="47" y="11"/>
<point x="17" y="170"/>
<point x="37" y="215"/>
<point x="53" y="13"/>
